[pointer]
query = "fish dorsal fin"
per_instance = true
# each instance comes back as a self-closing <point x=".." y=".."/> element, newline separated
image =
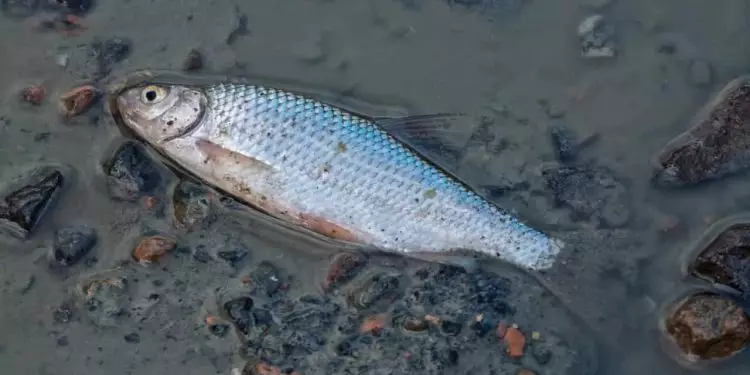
<point x="441" y="137"/>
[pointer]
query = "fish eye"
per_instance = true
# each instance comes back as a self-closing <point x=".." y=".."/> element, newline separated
<point x="153" y="94"/>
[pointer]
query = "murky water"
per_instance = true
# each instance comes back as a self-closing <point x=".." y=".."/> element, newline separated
<point x="518" y="65"/>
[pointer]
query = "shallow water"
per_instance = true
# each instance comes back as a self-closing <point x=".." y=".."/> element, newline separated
<point x="517" y="64"/>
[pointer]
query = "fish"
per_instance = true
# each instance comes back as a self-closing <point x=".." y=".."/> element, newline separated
<point x="325" y="169"/>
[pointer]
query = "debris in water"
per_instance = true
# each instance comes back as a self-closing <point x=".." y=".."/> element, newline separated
<point x="726" y="260"/>
<point x="73" y="243"/>
<point x="78" y="100"/>
<point x="153" y="248"/>
<point x="597" y="37"/>
<point x="23" y="207"/>
<point x="131" y="173"/>
<point x="34" y="94"/>
<point x="707" y="326"/>
<point x="717" y="145"/>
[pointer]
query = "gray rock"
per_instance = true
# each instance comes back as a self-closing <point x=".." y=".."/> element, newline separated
<point x="73" y="243"/>
<point x="597" y="37"/>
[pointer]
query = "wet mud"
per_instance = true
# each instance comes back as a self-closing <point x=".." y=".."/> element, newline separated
<point x="114" y="262"/>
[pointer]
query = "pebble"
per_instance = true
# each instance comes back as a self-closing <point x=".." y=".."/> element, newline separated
<point x="191" y="204"/>
<point x="597" y="37"/>
<point x="193" y="61"/>
<point x="706" y="326"/>
<point x="34" y="94"/>
<point x="380" y="287"/>
<point x="71" y="244"/>
<point x="151" y="249"/>
<point x="700" y="73"/>
<point x="132" y="338"/>
<point x="239" y="311"/>
<point x="715" y="146"/>
<point x="78" y="100"/>
<point x="22" y="208"/>
<point x="130" y="173"/>
<point x="266" y="278"/>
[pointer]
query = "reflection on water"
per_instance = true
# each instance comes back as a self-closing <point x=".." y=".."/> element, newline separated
<point x="574" y="99"/>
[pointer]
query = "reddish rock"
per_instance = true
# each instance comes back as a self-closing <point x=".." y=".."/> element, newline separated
<point x="707" y="326"/>
<point x="34" y="94"/>
<point x="153" y="248"/>
<point x="76" y="101"/>
<point x="343" y="268"/>
<point x="717" y="144"/>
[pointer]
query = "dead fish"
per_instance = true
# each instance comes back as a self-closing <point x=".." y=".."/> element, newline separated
<point x="331" y="171"/>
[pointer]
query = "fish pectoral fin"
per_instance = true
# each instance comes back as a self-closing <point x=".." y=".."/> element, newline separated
<point x="220" y="155"/>
<point x="327" y="228"/>
<point x="441" y="137"/>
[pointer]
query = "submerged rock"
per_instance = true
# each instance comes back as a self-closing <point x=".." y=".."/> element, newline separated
<point x="344" y="267"/>
<point x="726" y="260"/>
<point x="191" y="204"/>
<point x="706" y="326"/>
<point x="130" y="173"/>
<point x="597" y="37"/>
<point x="717" y="145"/>
<point x="24" y="205"/>
<point x="73" y="243"/>
<point x="591" y="192"/>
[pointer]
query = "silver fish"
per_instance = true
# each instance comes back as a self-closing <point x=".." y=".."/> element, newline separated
<point x="334" y="172"/>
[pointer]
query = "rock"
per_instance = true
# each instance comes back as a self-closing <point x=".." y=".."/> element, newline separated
<point x="130" y="173"/>
<point x="24" y="205"/>
<point x="700" y="73"/>
<point x="73" y="243"/>
<point x="63" y="314"/>
<point x="597" y="37"/>
<point x="151" y="249"/>
<point x="233" y="257"/>
<point x="34" y="94"/>
<point x="716" y="145"/>
<point x="266" y="278"/>
<point x="343" y="268"/>
<point x="106" y="300"/>
<point x="706" y="326"/>
<point x="239" y="311"/>
<point x="591" y="192"/>
<point x="132" y="338"/>
<point x="19" y="8"/>
<point x="565" y="143"/>
<point x="193" y="61"/>
<point x="77" y="100"/>
<point x="110" y="52"/>
<point x="191" y="204"/>
<point x="381" y="288"/>
<point x="726" y="260"/>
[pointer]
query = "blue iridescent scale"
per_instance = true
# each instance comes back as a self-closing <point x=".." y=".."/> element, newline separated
<point x="333" y="164"/>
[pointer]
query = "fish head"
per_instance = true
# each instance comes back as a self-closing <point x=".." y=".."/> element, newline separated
<point x="160" y="113"/>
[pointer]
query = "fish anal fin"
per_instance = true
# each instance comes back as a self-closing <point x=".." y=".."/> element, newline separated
<point x="327" y="228"/>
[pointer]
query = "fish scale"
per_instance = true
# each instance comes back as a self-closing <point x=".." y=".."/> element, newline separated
<point x="325" y="163"/>
<point x="375" y="173"/>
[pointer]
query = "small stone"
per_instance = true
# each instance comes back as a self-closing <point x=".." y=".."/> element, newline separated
<point x="266" y="278"/>
<point x="597" y="37"/>
<point x="700" y="73"/>
<point x="219" y="329"/>
<point x="565" y="142"/>
<point x="193" y="61"/>
<point x="542" y="354"/>
<point x="63" y="314"/>
<point x="380" y="287"/>
<point x="34" y="94"/>
<point x="62" y="341"/>
<point x="153" y="248"/>
<point x="707" y="326"/>
<point x="78" y="100"/>
<point x="191" y="204"/>
<point x="240" y="311"/>
<point x="23" y="207"/>
<point x="233" y="257"/>
<point x="132" y="338"/>
<point x="130" y="173"/>
<point x="343" y="268"/>
<point x="73" y="243"/>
